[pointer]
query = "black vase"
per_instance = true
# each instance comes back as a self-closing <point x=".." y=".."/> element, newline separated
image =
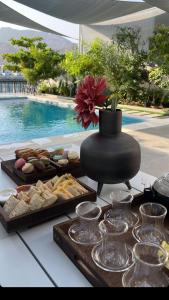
<point x="110" y="156"/>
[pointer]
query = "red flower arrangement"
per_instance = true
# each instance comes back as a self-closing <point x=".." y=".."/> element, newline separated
<point x="90" y="94"/>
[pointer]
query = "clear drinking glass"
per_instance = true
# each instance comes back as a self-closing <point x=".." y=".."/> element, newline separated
<point x="113" y="254"/>
<point x="85" y="230"/>
<point x="148" y="268"/>
<point x="121" y="208"/>
<point x="152" y="228"/>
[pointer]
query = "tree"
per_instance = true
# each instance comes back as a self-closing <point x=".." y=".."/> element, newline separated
<point x="34" y="59"/>
<point x="90" y="63"/>
<point x="159" y="48"/>
<point x="130" y="43"/>
<point x="129" y="38"/>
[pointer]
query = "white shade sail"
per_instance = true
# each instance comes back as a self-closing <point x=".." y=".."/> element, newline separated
<point x="9" y="15"/>
<point x="163" y="4"/>
<point x="85" y="11"/>
<point x="145" y="21"/>
<point x="135" y="17"/>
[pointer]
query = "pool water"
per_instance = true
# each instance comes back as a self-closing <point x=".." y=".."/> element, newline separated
<point x="23" y="120"/>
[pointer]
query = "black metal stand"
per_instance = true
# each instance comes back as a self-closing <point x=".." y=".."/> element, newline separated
<point x="127" y="183"/>
<point x="99" y="188"/>
<point x="100" y="185"/>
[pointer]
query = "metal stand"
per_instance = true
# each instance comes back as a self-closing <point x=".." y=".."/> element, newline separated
<point x="127" y="183"/>
<point x="100" y="185"/>
<point x="99" y="188"/>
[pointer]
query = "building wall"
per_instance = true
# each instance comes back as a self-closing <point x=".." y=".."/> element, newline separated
<point x="108" y="32"/>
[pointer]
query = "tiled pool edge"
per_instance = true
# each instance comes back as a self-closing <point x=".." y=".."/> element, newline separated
<point x="148" y="120"/>
<point x="7" y="149"/>
<point x="55" y="100"/>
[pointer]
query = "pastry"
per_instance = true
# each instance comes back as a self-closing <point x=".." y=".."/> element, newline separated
<point x="59" y="151"/>
<point x="28" y="168"/>
<point x="65" y="155"/>
<point x="20" y="163"/>
<point x="20" y="152"/>
<point x="57" y="157"/>
<point x="49" y="185"/>
<point x="21" y="208"/>
<point x="43" y="195"/>
<point x="61" y="194"/>
<point x="60" y="179"/>
<point x="63" y="162"/>
<point x="33" y="190"/>
<point x="72" y="156"/>
<point x="39" y="165"/>
<point x="10" y="204"/>
<point x="40" y="186"/>
<point x="23" y="196"/>
<point x="36" y="202"/>
<point x="80" y="188"/>
<point x="73" y="191"/>
<point x="65" y="191"/>
<point x="32" y="160"/>
<point x="49" y="197"/>
<point x="28" y="152"/>
<point x="45" y="160"/>
<point x="40" y="153"/>
<point x="54" y="179"/>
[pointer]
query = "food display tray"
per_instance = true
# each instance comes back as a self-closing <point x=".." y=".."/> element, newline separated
<point x="81" y="255"/>
<point x="39" y="216"/>
<point x="20" y="178"/>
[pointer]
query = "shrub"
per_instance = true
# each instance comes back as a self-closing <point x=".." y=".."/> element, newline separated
<point x="63" y="87"/>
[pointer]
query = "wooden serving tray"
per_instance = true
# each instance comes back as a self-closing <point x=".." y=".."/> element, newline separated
<point x="44" y="214"/>
<point x="20" y="178"/>
<point x="81" y="255"/>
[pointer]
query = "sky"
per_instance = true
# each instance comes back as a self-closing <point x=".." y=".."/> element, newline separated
<point x="67" y="28"/>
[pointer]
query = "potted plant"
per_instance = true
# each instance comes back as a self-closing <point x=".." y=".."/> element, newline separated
<point x="108" y="156"/>
<point x="93" y="94"/>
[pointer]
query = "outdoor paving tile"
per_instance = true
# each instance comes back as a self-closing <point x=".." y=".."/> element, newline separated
<point x="154" y="162"/>
<point x="41" y="141"/>
<point x="156" y="115"/>
<point x="142" y="114"/>
<point x="132" y="112"/>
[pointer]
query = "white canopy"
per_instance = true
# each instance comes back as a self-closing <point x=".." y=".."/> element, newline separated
<point x="163" y="4"/>
<point x="135" y="17"/>
<point x="85" y="11"/>
<point x="144" y="20"/>
<point x="9" y="15"/>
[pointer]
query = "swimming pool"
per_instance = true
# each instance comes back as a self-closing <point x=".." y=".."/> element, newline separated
<point x="23" y="120"/>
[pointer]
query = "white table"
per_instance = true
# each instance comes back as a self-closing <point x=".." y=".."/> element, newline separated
<point x="18" y="267"/>
<point x="31" y="257"/>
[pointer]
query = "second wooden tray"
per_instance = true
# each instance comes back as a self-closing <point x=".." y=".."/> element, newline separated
<point x="20" y="178"/>
<point x="81" y="255"/>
